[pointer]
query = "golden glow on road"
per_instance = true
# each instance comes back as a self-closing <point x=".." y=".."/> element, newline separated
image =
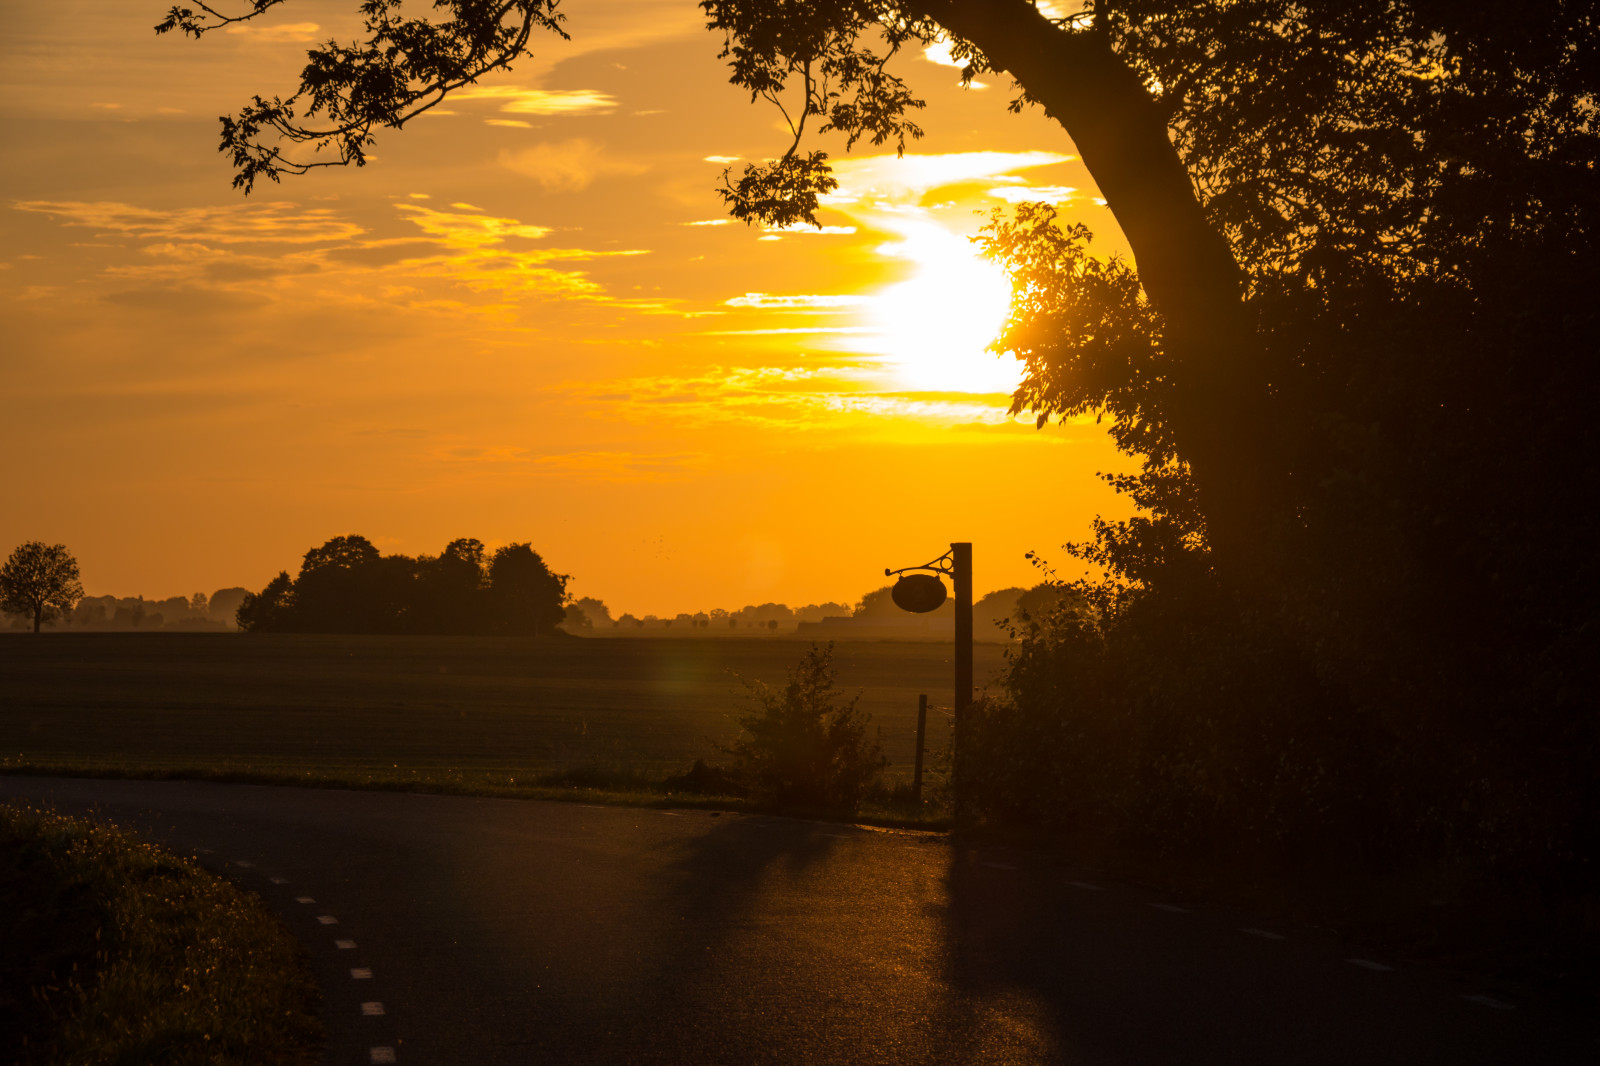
<point x="935" y="328"/>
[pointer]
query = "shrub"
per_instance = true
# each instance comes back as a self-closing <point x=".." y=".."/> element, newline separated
<point x="806" y="746"/>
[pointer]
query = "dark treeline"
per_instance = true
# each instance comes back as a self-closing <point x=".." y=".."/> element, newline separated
<point x="348" y="586"/>
<point x="993" y="614"/>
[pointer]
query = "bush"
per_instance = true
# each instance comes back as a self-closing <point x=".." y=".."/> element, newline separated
<point x="807" y="747"/>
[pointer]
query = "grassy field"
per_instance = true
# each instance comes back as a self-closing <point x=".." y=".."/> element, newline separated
<point x="469" y="712"/>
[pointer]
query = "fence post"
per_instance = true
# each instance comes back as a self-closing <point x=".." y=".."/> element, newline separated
<point x="922" y="732"/>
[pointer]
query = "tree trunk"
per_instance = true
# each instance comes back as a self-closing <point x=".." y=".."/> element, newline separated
<point x="38" y="616"/>
<point x="1185" y="265"/>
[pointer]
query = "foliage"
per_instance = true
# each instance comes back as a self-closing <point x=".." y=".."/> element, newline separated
<point x="1354" y="361"/>
<point x="168" y="963"/>
<point x="40" y="582"/>
<point x="347" y="586"/>
<point x="807" y="747"/>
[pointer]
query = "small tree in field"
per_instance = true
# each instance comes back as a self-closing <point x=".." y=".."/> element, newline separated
<point x="806" y="746"/>
<point x="40" y="581"/>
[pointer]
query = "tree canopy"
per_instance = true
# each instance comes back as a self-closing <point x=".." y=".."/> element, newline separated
<point x="40" y="582"/>
<point x="1353" y="354"/>
<point x="348" y="586"/>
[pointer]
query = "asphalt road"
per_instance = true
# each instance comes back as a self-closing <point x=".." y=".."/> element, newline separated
<point x="484" y="932"/>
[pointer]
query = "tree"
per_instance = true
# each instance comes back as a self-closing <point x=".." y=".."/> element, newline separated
<point x="525" y="596"/>
<point x="805" y="746"/>
<point x="1353" y="353"/>
<point x="269" y="611"/>
<point x="40" y="582"/>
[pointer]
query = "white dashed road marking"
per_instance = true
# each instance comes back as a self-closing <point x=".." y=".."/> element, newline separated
<point x="280" y="880"/>
<point x="345" y="945"/>
<point x="304" y="899"/>
<point x="361" y="973"/>
<point x="383" y="1054"/>
<point x="327" y="919"/>
<point x="1368" y="964"/>
<point x="1264" y="934"/>
<point x="1488" y="1001"/>
<point x="1169" y="907"/>
<point x="371" y="1010"/>
<point x="245" y="863"/>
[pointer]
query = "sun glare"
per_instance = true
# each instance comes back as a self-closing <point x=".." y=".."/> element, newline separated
<point x="935" y="328"/>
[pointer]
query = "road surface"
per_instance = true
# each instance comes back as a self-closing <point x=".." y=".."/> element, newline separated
<point x="484" y="932"/>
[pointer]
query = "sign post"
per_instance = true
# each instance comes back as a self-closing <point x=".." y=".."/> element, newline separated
<point x="923" y="592"/>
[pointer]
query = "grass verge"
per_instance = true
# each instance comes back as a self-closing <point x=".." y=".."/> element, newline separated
<point x="126" y="953"/>
<point x="584" y="784"/>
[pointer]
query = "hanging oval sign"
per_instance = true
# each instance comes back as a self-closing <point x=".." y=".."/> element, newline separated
<point x="918" y="593"/>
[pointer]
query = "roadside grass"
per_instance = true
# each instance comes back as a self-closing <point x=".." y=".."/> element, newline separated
<point x="126" y="953"/>
<point x="889" y="807"/>
<point x="597" y="721"/>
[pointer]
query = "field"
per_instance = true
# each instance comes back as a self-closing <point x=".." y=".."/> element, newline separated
<point x="453" y="712"/>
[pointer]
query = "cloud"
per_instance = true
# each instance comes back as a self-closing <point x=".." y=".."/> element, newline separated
<point x="520" y="101"/>
<point x="804" y="228"/>
<point x="287" y="32"/>
<point x="514" y="123"/>
<point x="711" y="222"/>
<point x="795" y="303"/>
<point x="723" y="160"/>
<point x="783" y="397"/>
<point x="468" y="227"/>
<point x="893" y="177"/>
<point x="1050" y="194"/>
<point x="566" y="166"/>
<point x="269" y="223"/>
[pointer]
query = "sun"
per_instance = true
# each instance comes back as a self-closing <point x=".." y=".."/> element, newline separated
<point x="934" y="329"/>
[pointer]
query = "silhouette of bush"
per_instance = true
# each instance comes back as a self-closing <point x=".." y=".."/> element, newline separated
<point x="807" y="747"/>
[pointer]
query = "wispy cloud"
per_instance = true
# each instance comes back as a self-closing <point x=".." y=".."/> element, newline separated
<point x="1050" y="194"/>
<point x="269" y="223"/>
<point x="516" y="100"/>
<point x="791" y="398"/>
<point x="795" y="303"/>
<point x="566" y="166"/>
<point x="286" y="32"/>
<point x="890" y="177"/>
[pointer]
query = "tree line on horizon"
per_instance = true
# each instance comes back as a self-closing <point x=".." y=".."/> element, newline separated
<point x="992" y="614"/>
<point x="348" y="586"/>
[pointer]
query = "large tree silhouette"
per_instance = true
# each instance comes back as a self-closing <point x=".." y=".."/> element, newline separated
<point x="1354" y="354"/>
<point x="40" y="582"/>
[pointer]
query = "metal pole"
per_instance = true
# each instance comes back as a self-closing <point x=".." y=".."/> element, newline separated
<point x="922" y="733"/>
<point x="961" y="574"/>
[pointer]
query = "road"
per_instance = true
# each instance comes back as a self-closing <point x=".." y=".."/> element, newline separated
<point x="485" y="932"/>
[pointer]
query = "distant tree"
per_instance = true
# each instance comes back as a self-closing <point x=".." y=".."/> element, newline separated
<point x="525" y="597"/>
<point x="224" y="604"/>
<point x="806" y="746"/>
<point x="629" y="620"/>
<point x="40" y="582"/>
<point x="269" y="611"/>
<point x="199" y="604"/>
<point x="597" y="612"/>
<point x="576" y="620"/>
<point x="720" y="616"/>
<point x="685" y="619"/>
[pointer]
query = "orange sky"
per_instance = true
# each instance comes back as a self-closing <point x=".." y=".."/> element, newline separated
<point x="527" y="319"/>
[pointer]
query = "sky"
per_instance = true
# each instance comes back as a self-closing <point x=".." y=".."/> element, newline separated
<point x="527" y="319"/>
